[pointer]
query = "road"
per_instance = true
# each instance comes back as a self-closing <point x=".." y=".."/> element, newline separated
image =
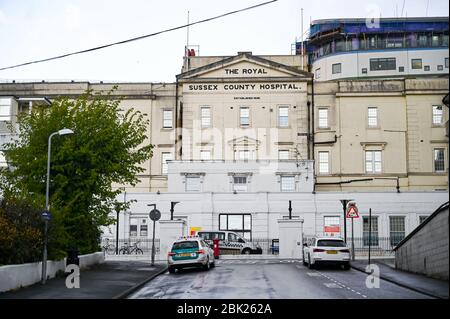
<point x="274" y="279"/>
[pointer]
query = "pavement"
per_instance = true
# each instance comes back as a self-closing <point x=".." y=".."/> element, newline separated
<point x="109" y="280"/>
<point x="416" y="282"/>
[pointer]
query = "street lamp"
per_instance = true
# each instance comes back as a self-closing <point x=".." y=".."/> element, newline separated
<point x="46" y="214"/>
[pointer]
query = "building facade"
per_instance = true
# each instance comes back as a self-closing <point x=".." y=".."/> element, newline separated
<point x="237" y="137"/>
<point x="386" y="47"/>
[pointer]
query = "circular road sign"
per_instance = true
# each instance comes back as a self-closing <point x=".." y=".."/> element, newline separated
<point x="46" y="215"/>
<point x="155" y="215"/>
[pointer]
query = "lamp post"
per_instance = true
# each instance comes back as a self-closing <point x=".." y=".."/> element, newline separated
<point x="46" y="215"/>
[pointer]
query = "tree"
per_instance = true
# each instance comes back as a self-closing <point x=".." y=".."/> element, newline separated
<point x="108" y="148"/>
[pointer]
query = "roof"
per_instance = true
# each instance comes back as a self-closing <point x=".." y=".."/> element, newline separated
<point x="430" y="218"/>
<point x="383" y="25"/>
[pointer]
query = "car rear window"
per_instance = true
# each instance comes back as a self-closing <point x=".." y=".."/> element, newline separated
<point x="330" y="243"/>
<point x="185" y="245"/>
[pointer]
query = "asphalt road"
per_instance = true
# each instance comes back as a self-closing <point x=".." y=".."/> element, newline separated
<point x="261" y="279"/>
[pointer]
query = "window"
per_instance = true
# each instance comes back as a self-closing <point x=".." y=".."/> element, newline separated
<point x="336" y="68"/>
<point x="164" y="158"/>
<point x="324" y="165"/>
<point x="374" y="231"/>
<point x="426" y="68"/>
<point x="446" y="63"/>
<point x="245" y="116"/>
<point x="397" y="229"/>
<point x="192" y="183"/>
<point x="133" y="227"/>
<point x="440" y="68"/>
<point x="5" y="109"/>
<point x="144" y="230"/>
<point x="364" y="70"/>
<point x="283" y="116"/>
<point x="318" y="73"/>
<point x="373" y="162"/>
<point x="287" y="183"/>
<point x="422" y="219"/>
<point x="423" y="41"/>
<point x="3" y="162"/>
<point x="435" y="41"/>
<point x="372" y="117"/>
<point x="238" y="223"/>
<point x="401" y="69"/>
<point x="283" y="155"/>
<point x="240" y="183"/>
<point x="383" y="64"/>
<point x="437" y="114"/>
<point x="205" y="155"/>
<point x="167" y="119"/>
<point x="323" y="118"/>
<point x="439" y="161"/>
<point x="331" y="224"/>
<point x="416" y="64"/>
<point x="205" y="116"/>
<point x="244" y="155"/>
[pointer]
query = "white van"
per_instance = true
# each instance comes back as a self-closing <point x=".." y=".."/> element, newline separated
<point x="230" y="242"/>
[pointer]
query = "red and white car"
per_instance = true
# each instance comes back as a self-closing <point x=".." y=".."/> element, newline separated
<point x="326" y="250"/>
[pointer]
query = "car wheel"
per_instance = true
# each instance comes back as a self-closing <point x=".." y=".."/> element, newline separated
<point x="172" y="270"/>
<point x="310" y="265"/>
<point x="246" y="251"/>
<point x="347" y="266"/>
<point x="207" y="265"/>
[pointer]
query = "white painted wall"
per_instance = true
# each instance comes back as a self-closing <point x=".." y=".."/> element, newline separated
<point x="265" y="175"/>
<point x="203" y="209"/>
<point x="18" y="276"/>
<point x="354" y="62"/>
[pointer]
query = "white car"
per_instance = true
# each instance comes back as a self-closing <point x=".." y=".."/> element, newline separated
<point x="326" y="250"/>
<point x="190" y="252"/>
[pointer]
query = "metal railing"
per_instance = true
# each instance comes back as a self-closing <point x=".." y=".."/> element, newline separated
<point x="379" y="246"/>
<point x="131" y="246"/>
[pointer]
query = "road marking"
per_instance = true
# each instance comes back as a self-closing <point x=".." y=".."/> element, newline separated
<point x="312" y="274"/>
<point x="337" y="283"/>
<point x="332" y="285"/>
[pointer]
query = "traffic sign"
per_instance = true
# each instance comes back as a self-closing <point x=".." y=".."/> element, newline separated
<point x="352" y="211"/>
<point x="155" y="215"/>
<point x="46" y="215"/>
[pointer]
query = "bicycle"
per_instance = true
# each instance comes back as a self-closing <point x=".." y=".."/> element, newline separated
<point x="126" y="249"/>
<point x="109" y="248"/>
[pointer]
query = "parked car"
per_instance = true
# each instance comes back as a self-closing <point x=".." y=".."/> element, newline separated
<point x="230" y="242"/>
<point x="190" y="252"/>
<point x="326" y="250"/>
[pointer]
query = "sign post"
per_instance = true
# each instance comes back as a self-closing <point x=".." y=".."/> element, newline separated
<point x="352" y="212"/>
<point x="370" y="231"/>
<point x="154" y="215"/>
<point x="344" y="203"/>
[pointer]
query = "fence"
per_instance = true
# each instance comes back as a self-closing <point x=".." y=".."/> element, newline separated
<point x="379" y="246"/>
<point x="135" y="246"/>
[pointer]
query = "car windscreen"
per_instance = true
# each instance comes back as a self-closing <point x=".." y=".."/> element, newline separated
<point x="185" y="245"/>
<point x="330" y="243"/>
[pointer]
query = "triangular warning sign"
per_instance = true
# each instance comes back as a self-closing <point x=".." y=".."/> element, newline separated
<point x="352" y="212"/>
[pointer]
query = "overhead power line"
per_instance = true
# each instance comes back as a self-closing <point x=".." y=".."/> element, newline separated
<point x="138" y="38"/>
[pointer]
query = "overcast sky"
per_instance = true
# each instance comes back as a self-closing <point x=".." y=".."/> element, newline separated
<point x="37" y="29"/>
